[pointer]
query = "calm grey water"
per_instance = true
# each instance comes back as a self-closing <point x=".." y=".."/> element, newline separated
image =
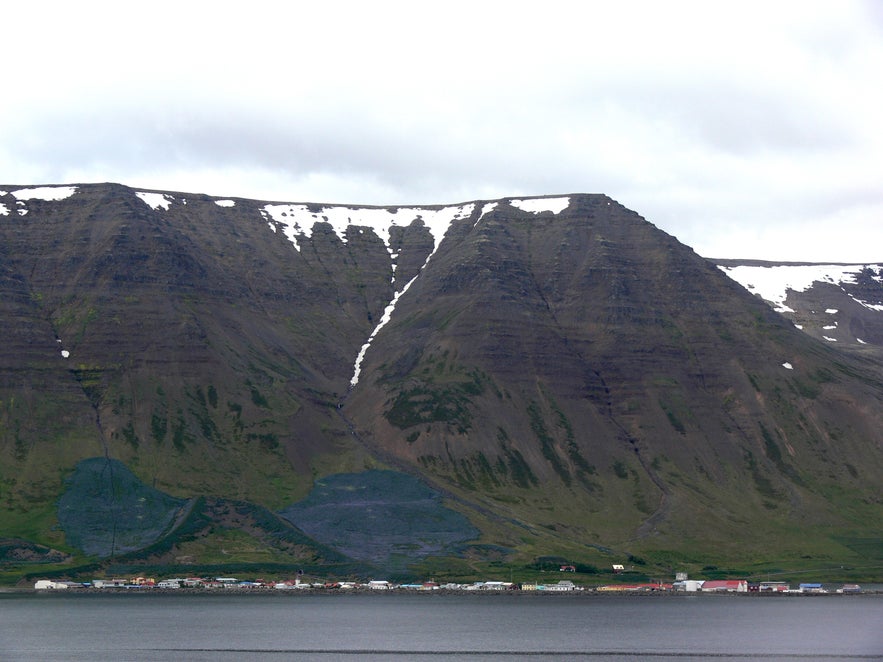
<point x="432" y="627"/>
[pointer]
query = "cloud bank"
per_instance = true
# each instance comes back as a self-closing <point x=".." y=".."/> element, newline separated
<point x="745" y="129"/>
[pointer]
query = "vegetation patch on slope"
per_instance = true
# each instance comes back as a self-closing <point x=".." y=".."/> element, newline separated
<point x="107" y="510"/>
<point x="384" y="517"/>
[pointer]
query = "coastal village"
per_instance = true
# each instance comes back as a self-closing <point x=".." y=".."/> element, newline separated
<point x="682" y="584"/>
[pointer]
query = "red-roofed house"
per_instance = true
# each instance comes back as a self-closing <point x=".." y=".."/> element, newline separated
<point x="726" y="585"/>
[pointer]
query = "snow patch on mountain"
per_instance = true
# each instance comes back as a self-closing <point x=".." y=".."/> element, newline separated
<point x="772" y="282"/>
<point x="297" y="220"/>
<point x="539" y="205"/>
<point x="487" y="209"/>
<point x="384" y="320"/>
<point x="155" y="201"/>
<point x="49" y="193"/>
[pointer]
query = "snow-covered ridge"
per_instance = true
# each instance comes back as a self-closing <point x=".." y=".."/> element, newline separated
<point x="772" y="283"/>
<point x="296" y="220"/>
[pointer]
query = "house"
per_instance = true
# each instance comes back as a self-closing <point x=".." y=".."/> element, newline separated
<point x="48" y="585"/>
<point x="688" y="585"/>
<point x="812" y="588"/>
<point x="618" y="568"/>
<point x="110" y="583"/>
<point x="646" y="587"/>
<point x="725" y="586"/>
<point x="378" y="585"/>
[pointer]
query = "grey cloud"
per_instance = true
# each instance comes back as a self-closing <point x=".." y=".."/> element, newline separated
<point x="669" y="118"/>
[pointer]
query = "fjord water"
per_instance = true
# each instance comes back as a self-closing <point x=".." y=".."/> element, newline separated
<point x="163" y="628"/>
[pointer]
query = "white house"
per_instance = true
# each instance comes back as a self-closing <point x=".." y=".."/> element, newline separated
<point x="48" y="585"/>
<point x="689" y="585"/>
<point x="725" y="586"/>
<point x="496" y="586"/>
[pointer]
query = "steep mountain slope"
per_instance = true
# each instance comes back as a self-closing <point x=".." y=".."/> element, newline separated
<point x="557" y="370"/>
<point x="587" y="369"/>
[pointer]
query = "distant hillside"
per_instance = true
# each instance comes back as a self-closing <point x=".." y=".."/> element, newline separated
<point x="196" y="382"/>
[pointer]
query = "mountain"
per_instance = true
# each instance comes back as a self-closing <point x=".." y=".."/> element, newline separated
<point x="444" y="390"/>
<point x="836" y="303"/>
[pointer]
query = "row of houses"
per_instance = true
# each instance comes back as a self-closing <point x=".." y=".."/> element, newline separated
<point x="222" y="583"/>
<point x="297" y="584"/>
<point x="744" y="586"/>
<point x="725" y="586"/>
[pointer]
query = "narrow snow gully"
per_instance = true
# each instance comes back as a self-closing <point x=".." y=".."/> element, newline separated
<point x="296" y="222"/>
<point x="438" y="221"/>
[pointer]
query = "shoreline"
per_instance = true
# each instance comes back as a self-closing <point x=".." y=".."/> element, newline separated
<point x="332" y="593"/>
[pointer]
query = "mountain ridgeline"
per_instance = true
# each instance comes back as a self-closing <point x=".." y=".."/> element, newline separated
<point x="192" y="380"/>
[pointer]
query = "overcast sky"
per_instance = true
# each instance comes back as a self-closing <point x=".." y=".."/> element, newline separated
<point x="745" y="129"/>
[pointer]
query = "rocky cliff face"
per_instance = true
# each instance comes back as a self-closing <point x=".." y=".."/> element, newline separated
<point x="564" y="374"/>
